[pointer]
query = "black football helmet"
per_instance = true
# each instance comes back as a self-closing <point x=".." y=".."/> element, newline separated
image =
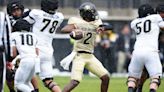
<point x="49" y="6"/>
<point x="160" y="8"/>
<point x="22" y="25"/>
<point x="88" y="11"/>
<point x="13" y="5"/>
<point x="145" y="10"/>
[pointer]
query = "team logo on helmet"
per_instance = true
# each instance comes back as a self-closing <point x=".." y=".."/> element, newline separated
<point x="88" y="11"/>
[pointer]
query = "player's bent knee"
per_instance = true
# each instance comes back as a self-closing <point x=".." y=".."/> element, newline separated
<point x="155" y="80"/>
<point x="51" y="85"/>
<point x="132" y="82"/>
<point x="75" y="82"/>
<point x="48" y="82"/>
<point x="105" y="77"/>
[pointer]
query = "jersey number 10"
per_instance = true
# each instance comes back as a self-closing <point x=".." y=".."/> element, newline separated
<point x="27" y="39"/>
<point x="146" y="27"/>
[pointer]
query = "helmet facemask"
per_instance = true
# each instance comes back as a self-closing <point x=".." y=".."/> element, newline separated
<point x="88" y="12"/>
<point x="15" y="9"/>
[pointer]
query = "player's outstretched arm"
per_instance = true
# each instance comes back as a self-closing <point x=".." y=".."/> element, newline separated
<point x="68" y="28"/>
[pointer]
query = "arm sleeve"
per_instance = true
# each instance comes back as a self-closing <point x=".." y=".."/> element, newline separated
<point x="13" y="40"/>
<point x="61" y="17"/>
<point x="72" y="20"/>
<point x="31" y="17"/>
<point x="160" y="21"/>
<point x="132" y="25"/>
<point x="161" y="24"/>
<point x="12" y="43"/>
<point x="98" y="22"/>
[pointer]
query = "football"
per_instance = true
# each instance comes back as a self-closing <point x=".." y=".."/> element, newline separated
<point x="77" y="34"/>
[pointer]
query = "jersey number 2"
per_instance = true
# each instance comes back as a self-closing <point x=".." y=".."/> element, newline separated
<point x="47" y="22"/>
<point x="27" y="39"/>
<point x="146" y="27"/>
<point x="89" y="35"/>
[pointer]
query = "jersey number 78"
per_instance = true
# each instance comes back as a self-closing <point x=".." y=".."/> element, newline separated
<point x="48" y="22"/>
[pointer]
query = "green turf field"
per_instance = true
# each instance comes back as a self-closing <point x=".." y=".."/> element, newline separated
<point x="91" y="84"/>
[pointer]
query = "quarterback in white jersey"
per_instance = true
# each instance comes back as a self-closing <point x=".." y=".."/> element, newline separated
<point x="45" y="23"/>
<point x="25" y="43"/>
<point x="147" y="28"/>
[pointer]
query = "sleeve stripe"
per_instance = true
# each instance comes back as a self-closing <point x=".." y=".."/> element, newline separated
<point x="31" y="17"/>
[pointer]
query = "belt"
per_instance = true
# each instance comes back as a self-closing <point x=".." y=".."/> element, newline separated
<point x="84" y="52"/>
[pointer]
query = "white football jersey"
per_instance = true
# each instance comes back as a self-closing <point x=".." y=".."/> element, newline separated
<point x="44" y="26"/>
<point x="147" y="31"/>
<point x="25" y="42"/>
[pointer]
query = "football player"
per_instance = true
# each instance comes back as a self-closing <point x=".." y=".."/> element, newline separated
<point x="15" y="10"/>
<point x="159" y="10"/>
<point x="25" y="42"/>
<point x="88" y="23"/>
<point x="45" y="23"/>
<point x="147" y="28"/>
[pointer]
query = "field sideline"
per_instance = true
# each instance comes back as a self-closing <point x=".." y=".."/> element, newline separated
<point x="92" y="84"/>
